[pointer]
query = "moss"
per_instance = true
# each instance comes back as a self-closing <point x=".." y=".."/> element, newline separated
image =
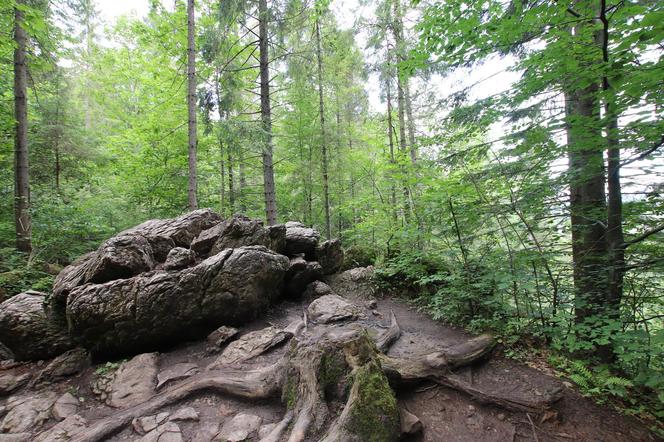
<point x="289" y="393"/>
<point x="375" y="417"/>
<point x="332" y="369"/>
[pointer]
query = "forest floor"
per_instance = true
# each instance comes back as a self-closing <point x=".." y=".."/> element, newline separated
<point x="446" y="414"/>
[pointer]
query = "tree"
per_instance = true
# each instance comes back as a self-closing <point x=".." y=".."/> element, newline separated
<point x="191" y="104"/>
<point x="266" y="117"/>
<point x="22" y="216"/>
<point x="323" y="135"/>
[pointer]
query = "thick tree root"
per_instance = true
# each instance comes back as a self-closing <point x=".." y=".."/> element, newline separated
<point x="249" y="384"/>
<point x="336" y="385"/>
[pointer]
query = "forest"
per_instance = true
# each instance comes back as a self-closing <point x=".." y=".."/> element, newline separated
<point x="498" y="162"/>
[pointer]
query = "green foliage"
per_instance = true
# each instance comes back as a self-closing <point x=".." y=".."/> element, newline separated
<point x="19" y="273"/>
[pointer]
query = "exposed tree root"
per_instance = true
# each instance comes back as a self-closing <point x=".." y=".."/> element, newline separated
<point x="249" y="384"/>
<point x="326" y="370"/>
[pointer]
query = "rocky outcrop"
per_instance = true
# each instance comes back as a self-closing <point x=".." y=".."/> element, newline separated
<point x="156" y="308"/>
<point x="239" y="231"/>
<point x="330" y="255"/>
<point x="135" y="381"/>
<point x="357" y="283"/>
<point x="133" y="251"/>
<point x="301" y="239"/>
<point x="27" y="331"/>
<point x="179" y="258"/>
<point x="300" y="274"/>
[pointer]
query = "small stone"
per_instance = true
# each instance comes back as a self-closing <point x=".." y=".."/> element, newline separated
<point x="145" y="424"/>
<point x="26" y="413"/>
<point x="239" y="429"/>
<point x="501" y="416"/>
<point x="250" y="345"/>
<point x="65" y="406"/>
<point x="185" y="414"/>
<point x="168" y="432"/>
<point x="331" y="308"/>
<point x="375" y="313"/>
<point x="471" y="411"/>
<point x="225" y="410"/>
<point x="134" y="381"/>
<point x="10" y="382"/>
<point x="371" y="305"/>
<point x="410" y="424"/>
<point x="63" y="431"/>
<point x="219" y="337"/>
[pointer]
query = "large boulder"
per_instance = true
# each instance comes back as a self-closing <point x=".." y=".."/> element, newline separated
<point x="28" y="332"/>
<point x="133" y="251"/>
<point x="330" y="255"/>
<point x="300" y="274"/>
<point x="239" y="231"/>
<point x="157" y="308"/>
<point x="301" y="239"/>
<point x="357" y="283"/>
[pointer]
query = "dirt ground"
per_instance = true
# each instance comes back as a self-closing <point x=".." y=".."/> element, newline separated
<point x="446" y="414"/>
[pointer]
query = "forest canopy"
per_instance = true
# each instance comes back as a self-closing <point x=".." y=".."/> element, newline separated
<point x="500" y="162"/>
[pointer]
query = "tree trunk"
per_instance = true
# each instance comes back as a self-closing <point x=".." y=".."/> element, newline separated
<point x="191" y="104"/>
<point x="614" y="231"/>
<point x="587" y="202"/>
<point x="390" y="136"/>
<point x="231" y="179"/>
<point x="21" y="170"/>
<point x="266" y="118"/>
<point x="404" y="87"/>
<point x="323" y="143"/>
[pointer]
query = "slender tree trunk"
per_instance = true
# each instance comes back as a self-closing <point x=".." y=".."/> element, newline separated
<point x="587" y="198"/>
<point x="222" y="166"/>
<point x="615" y="236"/>
<point x="191" y="104"/>
<point x="21" y="169"/>
<point x="266" y="118"/>
<point x="242" y="188"/>
<point x="231" y="179"/>
<point x="390" y="138"/>
<point x="321" y="110"/>
<point x="405" y="101"/>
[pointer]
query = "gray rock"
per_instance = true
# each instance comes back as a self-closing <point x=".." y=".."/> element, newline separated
<point x="331" y="308"/>
<point x="330" y="255"/>
<point x="131" y="252"/>
<point x="316" y="289"/>
<point x="122" y="316"/>
<point x="175" y="372"/>
<point x="134" y="381"/>
<point x="185" y="414"/>
<point x="15" y="437"/>
<point x="67" y="364"/>
<point x="219" y="337"/>
<point x="11" y="381"/>
<point x="300" y="274"/>
<point x="250" y="345"/>
<point x="26" y="329"/>
<point x="5" y="353"/>
<point x="25" y="413"/>
<point x="301" y="239"/>
<point x="357" y="283"/>
<point x="64" y="431"/>
<point x="410" y="424"/>
<point x="240" y="231"/>
<point x="167" y="432"/>
<point x="180" y="258"/>
<point x="65" y="406"/>
<point x="145" y="424"/>
<point x="240" y="428"/>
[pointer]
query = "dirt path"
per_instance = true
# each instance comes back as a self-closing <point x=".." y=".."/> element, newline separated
<point x="446" y="414"/>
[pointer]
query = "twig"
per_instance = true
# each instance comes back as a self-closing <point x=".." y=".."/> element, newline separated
<point x="533" y="427"/>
